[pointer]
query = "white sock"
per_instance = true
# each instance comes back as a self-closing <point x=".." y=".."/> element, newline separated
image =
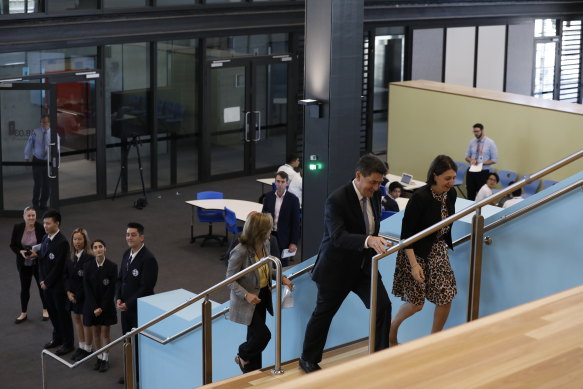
<point x="87" y="348"/>
<point x="105" y="356"/>
<point x="82" y="345"/>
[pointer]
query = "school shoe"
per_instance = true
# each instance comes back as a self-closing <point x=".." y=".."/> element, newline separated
<point x="64" y="349"/>
<point x="82" y="355"/>
<point x="52" y="344"/>
<point x="75" y="356"/>
<point x="309" y="367"/>
<point x="104" y="366"/>
<point x="97" y="365"/>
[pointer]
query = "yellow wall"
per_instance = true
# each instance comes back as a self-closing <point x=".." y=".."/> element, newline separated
<point x="424" y="123"/>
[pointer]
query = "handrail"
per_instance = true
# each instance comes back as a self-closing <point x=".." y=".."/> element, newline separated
<point x="263" y="261"/>
<point x="448" y="221"/>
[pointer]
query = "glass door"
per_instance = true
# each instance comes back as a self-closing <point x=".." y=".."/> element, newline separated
<point x="247" y="117"/>
<point x="29" y="174"/>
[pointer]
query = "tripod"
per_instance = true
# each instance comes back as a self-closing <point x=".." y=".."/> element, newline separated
<point x="136" y="143"/>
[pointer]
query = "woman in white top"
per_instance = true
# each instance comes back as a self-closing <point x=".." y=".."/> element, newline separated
<point x="486" y="189"/>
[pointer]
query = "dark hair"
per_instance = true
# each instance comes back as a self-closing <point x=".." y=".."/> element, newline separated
<point x="517" y="192"/>
<point x="283" y="175"/>
<point x="369" y="164"/>
<point x="292" y="158"/>
<point x="98" y="241"/>
<point x="495" y="175"/>
<point x="137" y="226"/>
<point x="440" y="164"/>
<point x="52" y="214"/>
<point x="478" y="125"/>
<point x="394" y="185"/>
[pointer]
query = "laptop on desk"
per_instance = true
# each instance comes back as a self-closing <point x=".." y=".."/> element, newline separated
<point x="406" y="178"/>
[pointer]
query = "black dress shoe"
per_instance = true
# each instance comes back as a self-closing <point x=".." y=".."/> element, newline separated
<point x="45" y="318"/>
<point x="18" y="321"/>
<point x="76" y="354"/>
<point x="309" y="367"/>
<point x="104" y="366"/>
<point x="64" y="350"/>
<point x="52" y="344"/>
<point x="82" y="354"/>
<point x="97" y="365"/>
<point x="121" y="381"/>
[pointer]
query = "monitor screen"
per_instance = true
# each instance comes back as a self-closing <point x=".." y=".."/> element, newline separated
<point x="406" y="178"/>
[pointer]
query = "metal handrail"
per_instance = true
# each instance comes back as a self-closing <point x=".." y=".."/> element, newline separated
<point x="446" y="222"/>
<point x="263" y="261"/>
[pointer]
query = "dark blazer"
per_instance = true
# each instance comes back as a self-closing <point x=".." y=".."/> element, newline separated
<point x="342" y="254"/>
<point x="288" y="223"/>
<point x="423" y="211"/>
<point x="391" y="204"/>
<point x="15" y="241"/>
<point x="137" y="279"/>
<point x="52" y="257"/>
<point x="74" y="271"/>
<point x="99" y="288"/>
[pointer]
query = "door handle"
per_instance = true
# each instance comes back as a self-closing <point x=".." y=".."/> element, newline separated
<point x="56" y="163"/>
<point x="247" y="126"/>
<point x="257" y="126"/>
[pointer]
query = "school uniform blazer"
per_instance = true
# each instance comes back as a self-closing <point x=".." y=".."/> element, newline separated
<point x="16" y="240"/>
<point x="288" y="222"/>
<point x="136" y="279"/>
<point x="342" y="255"/>
<point x="391" y="204"/>
<point x="74" y="272"/>
<point x="241" y="257"/>
<point x="52" y="257"/>
<point x="99" y="287"/>
<point x="422" y="212"/>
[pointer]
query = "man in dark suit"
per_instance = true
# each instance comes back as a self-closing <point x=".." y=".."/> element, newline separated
<point x="352" y="219"/>
<point x="137" y="278"/>
<point x="284" y="207"/>
<point x="52" y="255"/>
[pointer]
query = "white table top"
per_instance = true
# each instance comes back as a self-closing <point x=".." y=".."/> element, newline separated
<point x="402" y="202"/>
<point x="242" y="208"/>
<point x="266" y="181"/>
<point x="414" y="184"/>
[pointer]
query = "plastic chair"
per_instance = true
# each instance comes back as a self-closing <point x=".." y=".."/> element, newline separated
<point x="210" y="217"/>
<point x="383" y="190"/>
<point x="462" y="168"/>
<point x="231" y="225"/>
<point x="506" y="176"/>
<point x="548" y="184"/>
<point x="387" y="214"/>
<point x="530" y="189"/>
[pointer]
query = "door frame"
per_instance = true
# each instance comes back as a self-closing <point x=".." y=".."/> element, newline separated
<point x="250" y="65"/>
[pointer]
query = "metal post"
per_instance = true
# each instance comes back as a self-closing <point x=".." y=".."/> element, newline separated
<point x="44" y="370"/>
<point x="207" y="342"/>
<point x="277" y="368"/>
<point x="477" y="245"/>
<point x="372" y="326"/>
<point x="128" y="358"/>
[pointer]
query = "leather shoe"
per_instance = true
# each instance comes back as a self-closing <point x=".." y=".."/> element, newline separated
<point x="64" y="350"/>
<point x="104" y="366"/>
<point x="18" y="321"/>
<point x="309" y="367"/>
<point x="97" y="365"/>
<point x="52" y="344"/>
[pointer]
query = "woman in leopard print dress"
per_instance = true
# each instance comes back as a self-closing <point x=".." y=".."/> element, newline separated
<point x="422" y="270"/>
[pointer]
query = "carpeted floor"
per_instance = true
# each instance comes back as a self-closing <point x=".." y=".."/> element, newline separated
<point x="181" y="265"/>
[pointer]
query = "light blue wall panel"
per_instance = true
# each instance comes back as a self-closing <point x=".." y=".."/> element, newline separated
<point x="427" y="57"/>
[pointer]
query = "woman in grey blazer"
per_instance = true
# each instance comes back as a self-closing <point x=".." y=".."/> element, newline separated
<point x="251" y="294"/>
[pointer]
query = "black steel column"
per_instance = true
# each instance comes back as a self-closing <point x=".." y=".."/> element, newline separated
<point x="333" y="76"/>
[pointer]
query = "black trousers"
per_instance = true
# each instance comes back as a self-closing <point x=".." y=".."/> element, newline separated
<point x="55" y="299"/>
<point x="129" y="320"/>
<point x="474" y="181"/>
<point x="328" y="303"/>
<point x="26" y="273"/>
<point x="258" y="335"/>
<point x="41" y="190"/>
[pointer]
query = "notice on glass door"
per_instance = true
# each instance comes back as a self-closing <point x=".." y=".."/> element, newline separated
<point x="232" y="114"/>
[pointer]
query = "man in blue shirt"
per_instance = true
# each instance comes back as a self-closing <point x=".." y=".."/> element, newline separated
<point x="36" y="150"/>
<point x="481" y="150"/>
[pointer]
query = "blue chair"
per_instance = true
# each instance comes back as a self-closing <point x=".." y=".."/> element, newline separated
<point x="548" y="184"/>
<point x="210" y="217"/>
<point x="231" y="225"/>
<point x="387" y="214"/>
<point x="530" y="189"/>
<point x="383" y="190"/>
<point x="462" y="168"/>
<point x="507" y="176"/>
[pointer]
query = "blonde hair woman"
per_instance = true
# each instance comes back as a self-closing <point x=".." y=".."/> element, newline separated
<point x="251" y="294"/>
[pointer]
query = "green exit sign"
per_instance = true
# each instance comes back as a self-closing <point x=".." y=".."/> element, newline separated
<point x="313" y="166"/>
